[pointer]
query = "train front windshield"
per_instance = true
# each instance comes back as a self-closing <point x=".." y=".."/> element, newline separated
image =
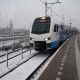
<point x="41" y="25"/>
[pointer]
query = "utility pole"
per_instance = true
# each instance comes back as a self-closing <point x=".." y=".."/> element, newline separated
<point x="45" y="8"/>
<point x="46" y="5"/>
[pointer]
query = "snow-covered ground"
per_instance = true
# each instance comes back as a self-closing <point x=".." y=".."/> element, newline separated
<point x="15" y="62"/>
<point x="11" y="54"/>
<point x="10" y="42"/>
<point x="23" y="71"/>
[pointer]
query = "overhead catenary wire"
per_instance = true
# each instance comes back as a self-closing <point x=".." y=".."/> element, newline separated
<point x="42" y="2"/>
<point x="64" y="17"/>
<point x="65" y="12"/>
<point x="56" y="18"/>
<point x="56" y="14"/>
<point x="49" y="7"/>
<point x="67" y="16"/>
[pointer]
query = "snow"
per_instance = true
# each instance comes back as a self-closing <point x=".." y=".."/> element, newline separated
<point x="23" y="71"/>
<point x="10" y="42"/>
<point x="10" y="55"/>
<point x="15" y="61"/>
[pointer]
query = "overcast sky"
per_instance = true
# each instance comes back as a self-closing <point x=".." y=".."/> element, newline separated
<point x="23" y="12"/>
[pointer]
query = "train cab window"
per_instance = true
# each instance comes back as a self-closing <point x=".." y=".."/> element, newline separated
<point x="55" y="28"/>
<point x="41" y="25"/>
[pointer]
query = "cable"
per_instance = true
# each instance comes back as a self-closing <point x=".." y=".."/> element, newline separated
<point x="56" y="14"/>
<point x="56" y="18"/>
<point x="52" y="4"/>
<point x="68" y="15"/>
<point x="64" y="10"/>
<point x="42" y="2"/>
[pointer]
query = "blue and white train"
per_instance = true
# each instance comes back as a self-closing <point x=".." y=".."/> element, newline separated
<point x="47" y="34"/>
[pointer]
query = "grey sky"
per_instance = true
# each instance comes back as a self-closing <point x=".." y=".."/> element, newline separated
<point x="23" y="12"/>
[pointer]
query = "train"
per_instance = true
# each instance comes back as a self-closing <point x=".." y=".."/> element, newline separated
<point x="46" y="33"/>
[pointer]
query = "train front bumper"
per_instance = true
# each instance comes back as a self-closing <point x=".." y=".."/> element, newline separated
<point x="40" y="45"/>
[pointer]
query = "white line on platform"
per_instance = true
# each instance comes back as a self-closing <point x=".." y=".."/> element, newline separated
<point x="62" y="64"/>
<point x="63" y="61"/>
<point x="57" y="78"/>
<point x="65" y="54"/>
<point x="64" y="58"/>
<point x="59" y="73"/>
<point x="61" y="68"/>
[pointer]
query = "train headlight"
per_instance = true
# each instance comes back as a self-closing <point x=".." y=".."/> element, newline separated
<point x="45" y="39"/>
<point x="32" y="39"/>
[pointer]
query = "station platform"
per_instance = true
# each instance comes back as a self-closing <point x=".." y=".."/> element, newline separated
<point x="66" y="63"/>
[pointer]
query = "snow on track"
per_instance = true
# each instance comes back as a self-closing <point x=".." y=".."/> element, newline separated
<point x="15" y="62"/>
<point x="23" y="71"/>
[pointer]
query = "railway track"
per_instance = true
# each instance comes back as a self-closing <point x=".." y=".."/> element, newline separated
<point x="35" y="62"/>
<point x="13" y="54"/>
<point x="41" y="54"/>
<point x="44" y="54"/>
<point x="38" y="71"/>
<point x="32" y="75"/>
<point x="18" y="64"/>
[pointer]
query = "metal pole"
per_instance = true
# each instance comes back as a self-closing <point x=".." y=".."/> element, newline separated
<point x="29" y="45"/>
<point x="13" y="41"/>
<point x="45" y="8"/>
<point x="51" y="11"/>
<point x="30" y="50"/>
<point x="22" y="53"/>
<point x="3" y="42"/>
<point x="7" y="58"/>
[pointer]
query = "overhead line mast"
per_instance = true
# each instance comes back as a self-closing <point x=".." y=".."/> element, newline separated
<point x="46" y="5"/>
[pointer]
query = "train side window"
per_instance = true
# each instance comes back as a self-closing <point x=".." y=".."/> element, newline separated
<point x="55" y="28"/>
